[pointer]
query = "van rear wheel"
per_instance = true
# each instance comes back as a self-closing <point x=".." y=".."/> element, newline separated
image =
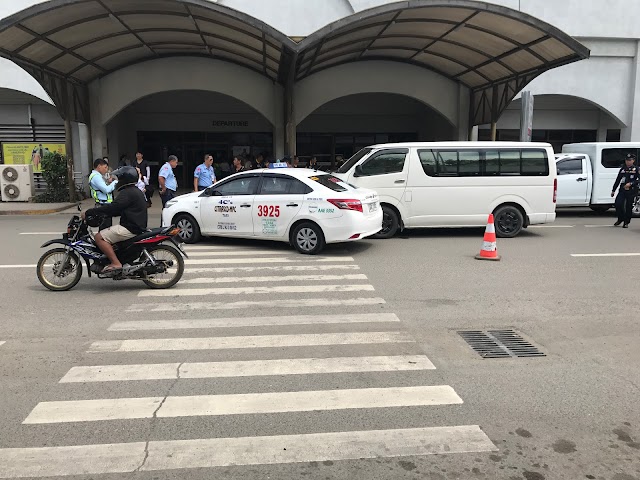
<point x="390" y="223"/>
<point x="509" y="221"/>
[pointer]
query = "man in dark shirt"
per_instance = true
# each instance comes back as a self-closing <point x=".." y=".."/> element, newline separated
<point x="131" y="206"/>
<point x="628" y="180"/>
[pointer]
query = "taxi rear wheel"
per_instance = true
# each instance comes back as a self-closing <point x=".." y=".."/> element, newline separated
<point x="189" y="228"/>
<point x="307" y="238"/>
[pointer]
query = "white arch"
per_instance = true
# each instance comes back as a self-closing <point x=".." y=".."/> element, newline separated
<point x="125" y="86"/>
<point x="426" y="86"/>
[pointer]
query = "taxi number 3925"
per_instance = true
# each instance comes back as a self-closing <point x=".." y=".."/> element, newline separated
<point x="268" y="211"/>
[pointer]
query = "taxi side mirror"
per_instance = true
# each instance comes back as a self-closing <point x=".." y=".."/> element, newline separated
<point x="358" y="171"/>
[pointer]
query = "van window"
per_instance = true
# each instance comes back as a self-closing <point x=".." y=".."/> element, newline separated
<point x="570" y="166"/>
<point x="467" y="163"/>
<point x="346" y="166"/>
<point x="614" y="157"/>
<point x="384" y="162"/>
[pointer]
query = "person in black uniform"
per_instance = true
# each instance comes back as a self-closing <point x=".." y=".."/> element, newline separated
<point x="628" y="180"/>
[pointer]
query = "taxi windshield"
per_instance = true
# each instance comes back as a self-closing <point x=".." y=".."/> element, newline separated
<point x="333" y="183"/>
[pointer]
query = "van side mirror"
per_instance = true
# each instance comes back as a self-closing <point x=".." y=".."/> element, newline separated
<point x="358" y="171"/>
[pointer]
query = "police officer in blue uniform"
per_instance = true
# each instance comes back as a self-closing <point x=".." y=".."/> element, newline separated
<point x="628" y="179"/>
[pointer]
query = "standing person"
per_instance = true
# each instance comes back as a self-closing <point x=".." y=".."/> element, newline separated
<point x="167" y="180"/>
<point x="259" y="161"/>
<point x="145" y="169"/>
<point x="101" y="190"/>
<point x="296" y="162"/>
<point x="237" y="165"/>
<point x="628" y="181"/>
<point x="313" y="163"/>
<point x="123" y="162"/>
<point x="204" y="175"/>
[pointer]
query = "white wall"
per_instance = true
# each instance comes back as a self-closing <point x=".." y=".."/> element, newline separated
<point x="184" y="73"/>
<point x="423" y="85"/>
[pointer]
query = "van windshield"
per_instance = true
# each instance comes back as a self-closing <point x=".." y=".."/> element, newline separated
<point x="353" y="160"/>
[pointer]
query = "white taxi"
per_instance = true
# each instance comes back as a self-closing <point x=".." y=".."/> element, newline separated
<point x="306" y="208"/>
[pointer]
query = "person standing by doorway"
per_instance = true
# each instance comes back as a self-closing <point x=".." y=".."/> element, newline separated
<point x="101" y="189"/>
<point x="628" y="180"/>
<point x="204" y="175"/>
<point x="167" y="180"/>
<point x="145" y="169"/>
<point x="237" y="165"/>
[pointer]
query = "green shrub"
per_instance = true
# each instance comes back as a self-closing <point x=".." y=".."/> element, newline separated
<point x="54" y="172"/>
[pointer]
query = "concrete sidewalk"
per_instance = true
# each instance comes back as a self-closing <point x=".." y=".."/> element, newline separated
<point x="26" y="208"/>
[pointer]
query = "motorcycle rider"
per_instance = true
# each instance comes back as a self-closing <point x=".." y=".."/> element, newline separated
<point x="131" y="206"/>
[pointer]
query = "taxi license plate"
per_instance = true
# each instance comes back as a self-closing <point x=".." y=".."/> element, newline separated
<point x="373" y="207"/>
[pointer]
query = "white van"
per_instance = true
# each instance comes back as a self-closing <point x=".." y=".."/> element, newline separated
<point x="587" y="171"/>
<point x="457" y="184"/>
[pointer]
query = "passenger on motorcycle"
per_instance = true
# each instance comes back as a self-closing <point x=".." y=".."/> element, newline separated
<point x="131" y="206"/>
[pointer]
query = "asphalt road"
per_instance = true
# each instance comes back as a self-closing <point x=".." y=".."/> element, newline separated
<point x="571" y="414"/>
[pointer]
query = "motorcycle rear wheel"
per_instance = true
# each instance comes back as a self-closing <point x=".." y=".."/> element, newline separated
<point x="64" y="279"/>
<point x="173" y="273"/>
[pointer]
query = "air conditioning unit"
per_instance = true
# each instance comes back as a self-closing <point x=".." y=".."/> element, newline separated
<point x="16" y="183"/>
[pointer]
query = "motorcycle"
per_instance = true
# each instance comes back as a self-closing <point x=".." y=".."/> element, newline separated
<point x="148" y="257"/>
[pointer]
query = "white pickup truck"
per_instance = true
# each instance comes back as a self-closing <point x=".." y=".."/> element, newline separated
<point x="587" y="172"/>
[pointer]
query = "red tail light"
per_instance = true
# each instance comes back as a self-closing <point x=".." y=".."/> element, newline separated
<point x="347" y="204"/>
<point x="555" y="190"/>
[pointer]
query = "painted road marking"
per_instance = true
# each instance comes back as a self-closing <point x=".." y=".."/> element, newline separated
<point x="281" y="278"/>
<point x="2" y="342"/>
<point x="139" y="325"/>
<point x="240" y="404"/>
<point x="605" y="254"/>
<point x="551" y="226"/>
<point x="275" y="268"/>
<point x="234" y="253"/>
<point x="598" y="226"/>
<point x="221" y="261"/>
<point x="192" y="292"/>
<point x="41" y="233"/>
<point x="286" y="303"/>
<point x="256" y="341"/>
<point x="18" y="266"/>
<point x="253" y="368"/>
<point x="225" y="452"/>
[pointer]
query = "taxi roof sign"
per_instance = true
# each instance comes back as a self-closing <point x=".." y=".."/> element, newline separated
<point x="278" y="165"/>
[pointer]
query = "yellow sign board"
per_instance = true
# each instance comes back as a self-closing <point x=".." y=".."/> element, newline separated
<point x="29" y="153"/>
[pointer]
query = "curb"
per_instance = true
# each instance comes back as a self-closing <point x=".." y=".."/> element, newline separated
<point x="37" y="212"/>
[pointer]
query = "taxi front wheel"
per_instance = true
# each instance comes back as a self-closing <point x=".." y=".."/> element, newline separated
<point x="307" y="238"/>
<point x="189" y="228"/>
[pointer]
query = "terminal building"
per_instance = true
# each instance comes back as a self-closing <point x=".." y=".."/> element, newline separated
<point x="312" y="77"/>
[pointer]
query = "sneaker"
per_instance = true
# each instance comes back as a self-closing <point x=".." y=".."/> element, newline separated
<point x="617" y="224"/>
<point x="626" y="225"/>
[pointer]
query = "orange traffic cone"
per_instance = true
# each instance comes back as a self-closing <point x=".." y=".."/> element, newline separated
<point x="489" y="250"/>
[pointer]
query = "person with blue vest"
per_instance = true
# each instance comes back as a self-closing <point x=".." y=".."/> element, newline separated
<point x="101" y="190"/>
<point x="204" y="176"/>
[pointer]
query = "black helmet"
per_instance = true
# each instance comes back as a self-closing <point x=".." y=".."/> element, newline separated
<point x="126" y="176"/>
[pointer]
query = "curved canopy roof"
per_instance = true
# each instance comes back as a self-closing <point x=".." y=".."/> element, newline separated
<point x="493" y="50"/>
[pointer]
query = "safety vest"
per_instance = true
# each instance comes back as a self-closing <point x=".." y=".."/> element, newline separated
<point x="94" y="192"/>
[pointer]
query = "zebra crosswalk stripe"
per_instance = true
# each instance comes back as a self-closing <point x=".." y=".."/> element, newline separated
<point x="275" y="278"/>
<point x="321" y="302"/>
<point x="136" y="325"/>
<point x="289" y="366"/>
<point x="241" y="342"/>
<point x="240" y="404"/>
<point x="224" y="452"/>
<point x="194" y="292"/>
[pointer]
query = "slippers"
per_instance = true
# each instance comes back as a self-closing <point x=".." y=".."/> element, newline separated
<point x="111" y="269"/>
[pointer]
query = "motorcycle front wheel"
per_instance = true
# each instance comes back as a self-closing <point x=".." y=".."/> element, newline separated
<point x="59" y="269"/>
<point x="173" y="274"/>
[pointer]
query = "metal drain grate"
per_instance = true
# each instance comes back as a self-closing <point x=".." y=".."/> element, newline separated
<point x="499" y="344"/>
